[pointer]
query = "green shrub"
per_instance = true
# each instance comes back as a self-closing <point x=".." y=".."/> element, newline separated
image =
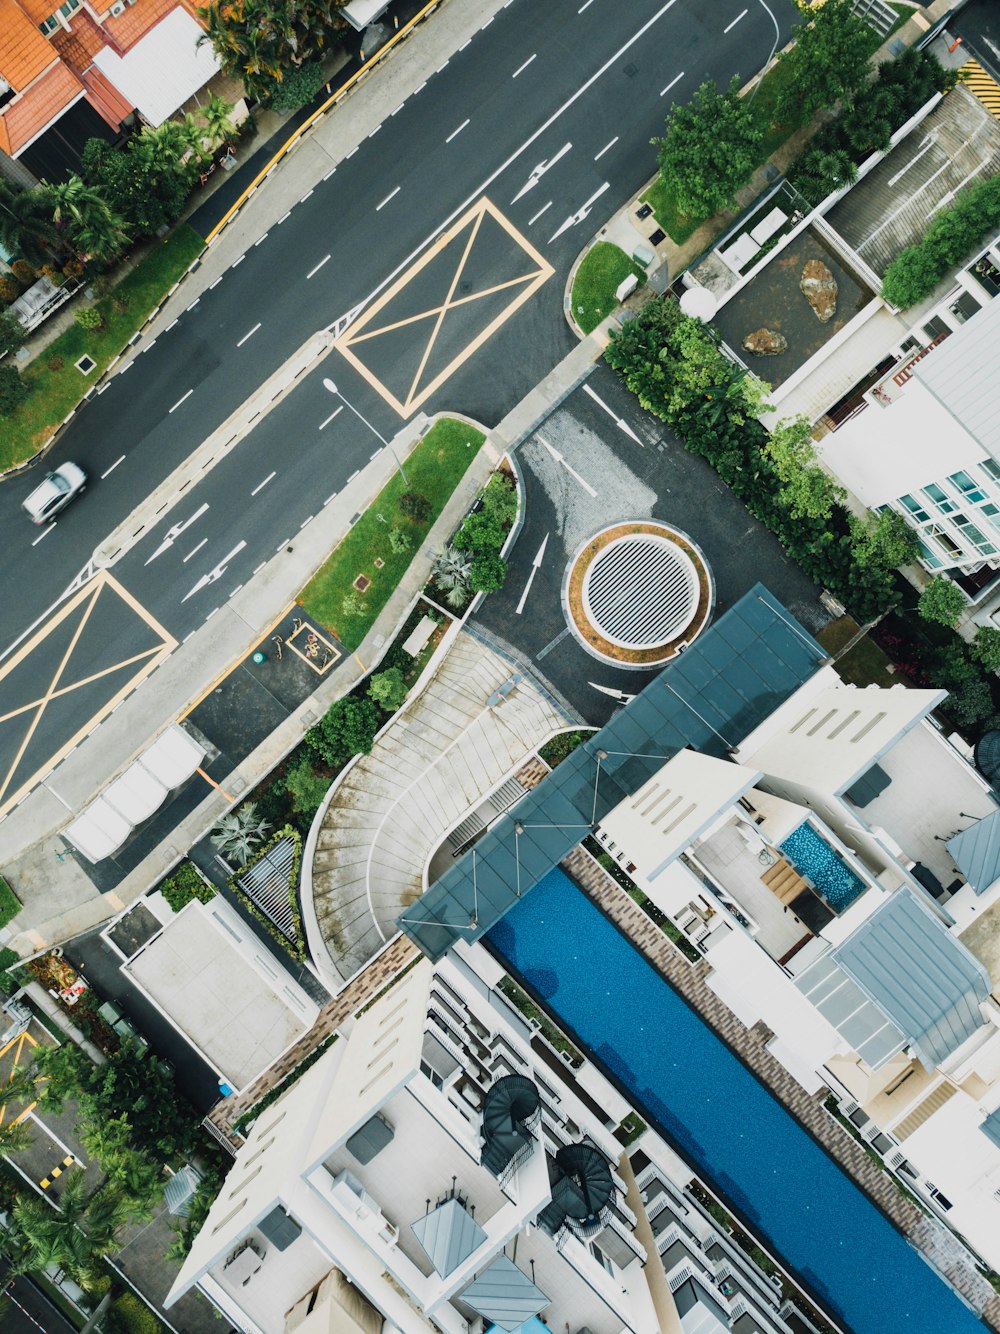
<point x="414" y="505"/>
<point x="8" y="982"/>
<point x="399" y="540"/>
<point x="558" y="747"/>
<point x="184" y="885"/>
<point x="388" y="689"/>
<point x="985" y="648"/>
<point x="24" y="272"/>
<point x="89" y="317"/>
<point x="298" y="87"/>
<point x="13" y="390"/>
<point x="500" y="499"/>
<point x="128" y="1315"/>
<point x="481" y="532"/>
<point x="306" y="788"/>
<point x="10" y="288"/>
<point x="487" y="572"/>
<point x="820" y="171"/>
<point x="12" y="332"/>
<point x="352" y="603"/>
<point x="954" y="232"/>
<point x="347" y="728"/>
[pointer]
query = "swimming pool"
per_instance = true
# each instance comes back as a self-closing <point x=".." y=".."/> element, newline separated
<point x="728" y="1126"/>
<point x="825" y="867"/>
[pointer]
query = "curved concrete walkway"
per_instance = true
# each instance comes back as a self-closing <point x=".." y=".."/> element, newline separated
<point x="436" y="762"/>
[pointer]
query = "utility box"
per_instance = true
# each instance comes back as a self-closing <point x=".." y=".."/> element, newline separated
<point x="626" y="287"/>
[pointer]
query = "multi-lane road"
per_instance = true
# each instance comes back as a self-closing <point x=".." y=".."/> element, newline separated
<point x="547" y="113"/>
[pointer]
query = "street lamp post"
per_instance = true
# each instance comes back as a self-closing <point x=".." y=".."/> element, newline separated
<point x="329" y="385"/>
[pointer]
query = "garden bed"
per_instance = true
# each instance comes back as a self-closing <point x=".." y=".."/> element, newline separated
<point x="434" y="469"/>
<point x="603" y="269"/>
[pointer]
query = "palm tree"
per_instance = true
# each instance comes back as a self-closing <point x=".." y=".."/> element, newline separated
<point x="219" y="124"/>
<point x="73" y="1236"/>
<point x="451" y="571"/>
<point x="238" y="832"/>
<point x="91" y="223"/>
<point x="26" y="226"/>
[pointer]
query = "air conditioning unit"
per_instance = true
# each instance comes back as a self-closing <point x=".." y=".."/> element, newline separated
<point x="117" y="9"/>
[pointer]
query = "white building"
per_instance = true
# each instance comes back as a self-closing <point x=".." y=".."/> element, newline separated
<point x="443" y="1167"/>
<point x="842" y="878"/>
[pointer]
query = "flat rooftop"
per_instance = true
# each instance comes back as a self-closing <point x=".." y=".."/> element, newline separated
<point x="959" y="142"/>
<point x="772" y="300"/>
<point x="208" y="987"/>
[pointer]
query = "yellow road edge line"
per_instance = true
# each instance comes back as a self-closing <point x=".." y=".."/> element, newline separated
<point x="233" y="665"/>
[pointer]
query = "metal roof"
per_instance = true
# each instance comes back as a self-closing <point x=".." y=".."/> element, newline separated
<point x="504" y="1294"/>
<point x="976" y="852"/>
<point x="888" y="209"/>
<point x="920" y="976"/>
<point x="991" y="1127"/>
<point x="961" y="373"/>
<point x="858" y="1020"/>
<point x="710" y="698"/>
<point x="448" y="1234"/>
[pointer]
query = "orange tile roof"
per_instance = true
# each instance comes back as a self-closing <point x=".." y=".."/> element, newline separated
<point x="80" y="45"/>
<point x="105" y="98"/>
<point x="24" y="52"/>
<point x="29" y="115"/>
<point x="127" y="29"/>
<point x="39" y="10"/>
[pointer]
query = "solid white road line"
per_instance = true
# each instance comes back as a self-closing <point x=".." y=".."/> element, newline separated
<point x="736" y="20"/>
<point x="387" y="198"/>
<point x="454" y="134"/>
<point x="260" y="485"/>
<point x="673" y="82"/>
<point x="112" y="468"/>
<point x="331" y="416"/>
<point x="181" y="400"/>
<point x="605" y="148"/>
<point x="44" y="535"/>
<point x="540" y="212"/>
<point x="521" y="68"/>
<point x="317" y="268"/>
<point x="248" y="335"/>
<point x="194" y="551"/>
<point x="585" y="5"/>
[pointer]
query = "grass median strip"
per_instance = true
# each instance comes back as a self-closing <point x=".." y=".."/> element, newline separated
<point x="603" y="269"/>
<point x="55" y="385"/>
<point x="390" y="530"/>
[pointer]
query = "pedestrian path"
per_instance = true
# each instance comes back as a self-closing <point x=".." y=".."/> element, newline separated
<point x="469" y="729"/>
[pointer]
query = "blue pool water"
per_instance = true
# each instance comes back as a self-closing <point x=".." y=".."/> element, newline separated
<point x="825" y="868"/>
<point x="729" y="1127"/>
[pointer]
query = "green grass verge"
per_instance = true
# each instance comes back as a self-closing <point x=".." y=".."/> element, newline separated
<point x="9" y="903"/>
<point x="863" y="665"/>
<point x="435" y="468"/>
<point x="54" y="393"/>
<point x="678" y="225"/>
<point x="603" y="269"/>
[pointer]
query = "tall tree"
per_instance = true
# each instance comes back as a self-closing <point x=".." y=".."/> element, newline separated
<point x="709" y="150"/>
<point x="806" y="489"/>
<point x="92" y="225"/>
<point x="26" y="226"/>
<point x="828" y="61"/>
<point x="259" y="40"/>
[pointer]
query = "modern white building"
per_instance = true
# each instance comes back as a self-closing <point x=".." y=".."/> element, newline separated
<point x="443" y="1167"/>
<point x="841" y="874"/>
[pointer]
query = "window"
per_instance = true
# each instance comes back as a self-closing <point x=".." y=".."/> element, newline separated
<point x="939" y="497"/>
<point x="69" y="7"/>
<point x="929" y="559"/>
<point x="967" y="486"/>
<point x="946" y="542"/>
<point x="918" y="512"/>
<point x="991" y="469"/>
<point x="49" y="25"/>
<point x="974" y="535"/>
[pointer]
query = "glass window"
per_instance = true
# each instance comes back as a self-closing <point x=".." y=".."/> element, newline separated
<point x="50" y="25"/>
<point x="946" y="542"/>
<point x="68" y="8"/>
<point x="939" y="496"/>
<point x="967" y="486"/>
<point x="929" y="559"/>
<point x="915" y="508"/>
<point x="973" y="534"/>
<point x="991" y="468"/>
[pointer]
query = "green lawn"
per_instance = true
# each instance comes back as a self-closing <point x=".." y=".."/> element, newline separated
<point x="604" y="267"/>
<point x="676" y="224"/>
<point x="54" y="393"/>
<point x="9" y="904"/>
<point x="434" y="469"/>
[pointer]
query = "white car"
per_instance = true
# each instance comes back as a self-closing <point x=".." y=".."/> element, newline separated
<point x="55" y="492"/>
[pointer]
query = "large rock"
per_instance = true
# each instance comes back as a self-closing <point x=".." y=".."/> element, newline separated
<point x="819" y="287"/>
<point x="765" y="343"/>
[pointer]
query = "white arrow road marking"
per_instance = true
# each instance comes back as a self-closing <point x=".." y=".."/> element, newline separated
<point x="581" y="213"/>
<point x="572" y="471"/>
<point x="212" y="575"/>
<point x="619" y="695"/>
<point x="535" y="566"/>
<point x="172" y="534"/>
<point x="620" y="422"/>
<point x="545" y="165"/>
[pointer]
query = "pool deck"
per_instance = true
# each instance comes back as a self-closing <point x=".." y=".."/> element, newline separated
<point x="938" y="1245"/>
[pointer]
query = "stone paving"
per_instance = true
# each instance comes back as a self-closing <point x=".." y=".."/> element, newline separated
<point x="941" y="1248"/>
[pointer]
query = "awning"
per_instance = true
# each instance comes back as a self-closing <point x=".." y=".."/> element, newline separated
<point x="976" y="852"/>
<point x="448" y="1234"/>
<point x="163" y="69"/>
<point x="99" y="831"/>
<point x="504" y="1295"/>
<point x="173" y="757"/>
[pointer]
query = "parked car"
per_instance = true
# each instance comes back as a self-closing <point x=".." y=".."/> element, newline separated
<point x="54" y="493"/>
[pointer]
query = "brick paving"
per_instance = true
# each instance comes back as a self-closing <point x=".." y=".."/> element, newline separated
<point x="940" y="1247"/>
<point x="383" y="968"/>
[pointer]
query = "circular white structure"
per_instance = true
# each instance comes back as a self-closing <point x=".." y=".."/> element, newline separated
<point x="699" y="302"/>
<point x="641" y="591"/>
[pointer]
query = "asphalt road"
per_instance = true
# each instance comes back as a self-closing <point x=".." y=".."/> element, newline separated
<point x="29" y="1311"/>
<point x="548" y="113"/>
<point x="615" y="463"/>
<point x="979" y="25"/>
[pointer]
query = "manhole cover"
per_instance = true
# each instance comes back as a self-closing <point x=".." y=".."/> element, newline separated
<point x="637" y="593"/>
